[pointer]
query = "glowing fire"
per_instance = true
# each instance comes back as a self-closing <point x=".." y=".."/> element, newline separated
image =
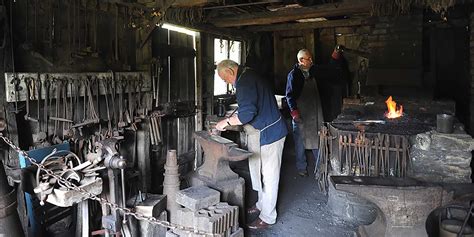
<point x="393" y="112"/>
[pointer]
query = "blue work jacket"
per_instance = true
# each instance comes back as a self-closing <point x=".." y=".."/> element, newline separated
<point x="258" y="106"/>
<point x="294" y="85"/>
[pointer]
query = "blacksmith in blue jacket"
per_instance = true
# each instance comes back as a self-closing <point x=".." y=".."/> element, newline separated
<point x="266" y="131"/>
<point x="302" y="96"/>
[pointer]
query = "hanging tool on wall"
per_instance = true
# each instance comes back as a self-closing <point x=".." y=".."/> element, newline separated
<point x="157" y="70"/>
<point x="17" y="88"/>
<point x="109" y="132"/>
<point x="29" y="85"/>
<point x="121" y="123"/>
<point x="116" y="47"/>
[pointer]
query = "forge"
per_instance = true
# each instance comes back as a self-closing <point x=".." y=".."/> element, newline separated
<point x="362" y="141"/>
<point x="367" y="143"/>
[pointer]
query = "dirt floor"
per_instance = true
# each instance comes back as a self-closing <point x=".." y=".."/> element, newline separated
<point x="302" y="209"/>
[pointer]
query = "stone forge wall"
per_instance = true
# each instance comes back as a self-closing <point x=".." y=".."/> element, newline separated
<point x="392" y="42"/>
<point x="438" y="157"/>
<point x="396" y="42"/>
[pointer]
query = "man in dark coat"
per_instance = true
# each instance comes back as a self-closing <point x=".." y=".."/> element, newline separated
<point x="266" y="132"/>
<point x="302" y="96"/>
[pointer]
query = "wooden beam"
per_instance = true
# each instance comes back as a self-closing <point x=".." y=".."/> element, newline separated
<point x="128" y="4"/>
<point x="324" y="10"/>
<point x="193" y="3"/>
<point x="243" y="4"/>
<point x="235" y="34"/>
<point x="309" y="25"/>
<point x="226" y="33"/>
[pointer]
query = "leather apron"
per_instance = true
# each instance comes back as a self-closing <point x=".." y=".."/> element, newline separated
<point x="309" y="106"/>
<point x="255" y="162"/>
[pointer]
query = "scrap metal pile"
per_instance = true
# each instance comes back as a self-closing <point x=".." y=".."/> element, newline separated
<point x="67" y="165"/>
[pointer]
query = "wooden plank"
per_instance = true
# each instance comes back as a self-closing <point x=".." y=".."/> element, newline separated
<point x="198" y="92"/>
<point x="226" y="33"/>
<point x="193" y="3"/>
<point x="242" y="4"/>
<point x="165" y="50"/>
<point x="286" y="45"/>
<point x="309" y="25"/>
<point x="323" y="10"/>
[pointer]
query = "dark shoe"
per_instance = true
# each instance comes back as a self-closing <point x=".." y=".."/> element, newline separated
<point x="253" y="210"/>
<point x="258" y="224"/>
<point x="303" y="173"/>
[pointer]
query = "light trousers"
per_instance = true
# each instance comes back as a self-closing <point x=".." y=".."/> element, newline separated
<point x="271" y="156"/>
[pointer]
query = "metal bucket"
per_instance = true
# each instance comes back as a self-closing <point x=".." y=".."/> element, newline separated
<point x="444" y="123"/>
<point x="451" y="228"/>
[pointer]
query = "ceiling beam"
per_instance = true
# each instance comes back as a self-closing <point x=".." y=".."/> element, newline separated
<point x="324" y="10"/>
<point x="193" y="3"/>
<point x="309" y="25"/>
<point x="235" y="34"/>
<point x="243" y="4"/>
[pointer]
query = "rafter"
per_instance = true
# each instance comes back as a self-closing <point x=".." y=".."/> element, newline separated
<point x="309" y="25"/>
<point x="324" y="10"/>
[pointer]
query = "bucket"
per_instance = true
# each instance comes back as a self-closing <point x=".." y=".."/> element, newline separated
<point x="451" y="220"/>
<point x="451" y="228"/>
<point x="444" y="123"/>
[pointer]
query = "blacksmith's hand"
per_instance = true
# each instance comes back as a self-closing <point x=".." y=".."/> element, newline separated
<point x="295" y="114"/>
<point x="339" y="48"/>
<point x="221" y="125"/>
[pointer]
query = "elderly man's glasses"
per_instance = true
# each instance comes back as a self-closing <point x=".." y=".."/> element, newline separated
<point x="307" y="59"/>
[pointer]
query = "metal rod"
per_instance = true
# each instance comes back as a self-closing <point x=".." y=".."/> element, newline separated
<point x="74" y="25"/>
<point x="122" y="174"/>
<point x="36" y="16"/>
<point x="61" y="119"/>
<point x="373" y="147"/>
<point x="26" y="21"/>
<point x="116" y="32"/>
<point x="387" y="153"/>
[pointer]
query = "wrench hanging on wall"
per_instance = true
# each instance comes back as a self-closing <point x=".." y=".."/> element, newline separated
<point x="29" y="85"/>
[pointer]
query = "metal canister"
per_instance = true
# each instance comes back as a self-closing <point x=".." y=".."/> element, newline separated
<point x="451" y="228"/>
<point x="444" y="123"/>
<point x="10" y="224"/>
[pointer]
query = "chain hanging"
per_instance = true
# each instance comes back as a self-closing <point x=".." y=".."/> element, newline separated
<point x="123" y="210"/>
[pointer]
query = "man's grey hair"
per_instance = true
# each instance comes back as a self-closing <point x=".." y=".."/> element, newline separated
<point x="302" y="53"/>
<point x="226" y="63"/>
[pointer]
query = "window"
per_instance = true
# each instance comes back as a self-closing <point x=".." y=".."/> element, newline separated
<point x="225" y="49"/>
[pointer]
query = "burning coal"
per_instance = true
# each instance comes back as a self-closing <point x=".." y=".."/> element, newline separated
<point x="393" y="112"/>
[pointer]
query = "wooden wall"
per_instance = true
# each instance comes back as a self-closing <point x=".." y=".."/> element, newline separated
<point x="287" y="44"/>
<point x="471" y="54"/>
